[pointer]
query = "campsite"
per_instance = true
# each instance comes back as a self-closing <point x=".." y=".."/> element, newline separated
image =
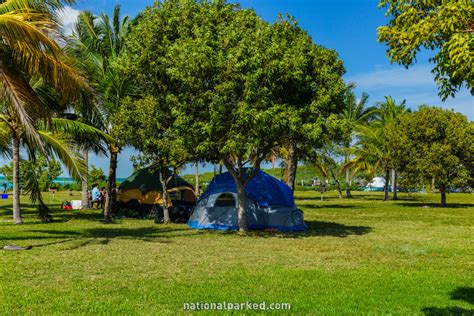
<point x="358" y="256"/>
<point x="236" y="157"/>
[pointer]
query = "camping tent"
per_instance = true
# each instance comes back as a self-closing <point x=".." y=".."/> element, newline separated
<point x="377" y="184"/>
<point x="142" y="192"/>
<point x="269" y="202"/>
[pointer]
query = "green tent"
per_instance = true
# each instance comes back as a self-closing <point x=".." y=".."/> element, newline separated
<point x="144" y="187"/>
<point x="147" y="180"/>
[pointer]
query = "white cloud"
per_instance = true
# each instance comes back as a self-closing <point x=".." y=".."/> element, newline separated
<point x="419" y="75"/>
<point x="415" y="85"/>
<point x="463" y="102"/>
<point x="68" y="17"/>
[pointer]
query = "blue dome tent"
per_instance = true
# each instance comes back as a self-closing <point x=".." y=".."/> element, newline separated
<point x="270" y="205"/>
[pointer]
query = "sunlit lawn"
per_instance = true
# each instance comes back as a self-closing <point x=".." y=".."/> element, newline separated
<point x="360" y="255"/>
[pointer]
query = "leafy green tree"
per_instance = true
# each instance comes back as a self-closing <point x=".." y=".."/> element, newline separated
<point x="148" y="124"/>
<point x="444" y="26"/>
<point x="307" y="82"/>
<point x="215" y="66"/>
<point x="434" y="143"/>
<point x="96" y="175"/>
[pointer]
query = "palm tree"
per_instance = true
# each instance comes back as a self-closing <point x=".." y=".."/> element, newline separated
<point x="371" y="153"/>
<point x="58" y="138"/>
<point x="98" y="41"/>
<point x="356" y="112"/>
<point x="28" y="49"/>
<point x="324" y="160"/>
<point x="389" y="112"/>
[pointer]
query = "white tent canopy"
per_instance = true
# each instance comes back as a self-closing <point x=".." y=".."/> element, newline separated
<point x="377" y="184"/>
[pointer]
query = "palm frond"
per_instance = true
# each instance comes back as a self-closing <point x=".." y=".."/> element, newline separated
<point x="25" y="30"/>
<point x="21" y="100"/>
<point x="59" y="146"/>
<point x="61" y="73"/>
<point x="82" y="134"/>
<point x="79" y="130"/>
<point x="17" y="5"/>
<point x="5" y="137"/>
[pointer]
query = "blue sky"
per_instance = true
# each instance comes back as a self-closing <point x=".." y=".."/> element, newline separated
<point x="349" y="27"/>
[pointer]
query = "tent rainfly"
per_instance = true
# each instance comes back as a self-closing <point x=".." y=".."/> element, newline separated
<point x="142" y="192"/>
<point x="270" y="205"/>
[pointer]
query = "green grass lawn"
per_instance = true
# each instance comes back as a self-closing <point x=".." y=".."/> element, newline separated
<point x="360" y="255"/>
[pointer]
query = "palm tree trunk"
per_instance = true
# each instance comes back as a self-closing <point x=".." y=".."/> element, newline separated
<point x="291" y="165"/>
<point x="196" y="178"/>
<point x="85" y="181"/>
<point x="111" y="197"/>
<point x="16" y="179"/>
<point x="348" y="176"/>
<point x="442" y="190"/>
<point x="348" y="184"/>
<point x="394" y="185"/>
<point x="338" y="184"/>
<point x="385" y="187"/>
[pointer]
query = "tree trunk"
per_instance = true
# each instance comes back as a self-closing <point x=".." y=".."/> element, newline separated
<point x="196" y="180"/>
<point x="241" y="207"/>
<point x="433" y="185"/>
<point x="338" y="185"/>
<point x="241" y="195"/>
<point x="165" y="196"/>
<point x="394" y="185"/>
<point x="348" y="178"/>
<point x="85" y="181"/>
<point x="385" y="187"/>
<point x="220" y="167"/>
<point x="442" y="190"/>
<point x="348" y="184"/>
<point x="111" y="197"/>
<point x="291" y="165"/>
<point x="16" y="180"/>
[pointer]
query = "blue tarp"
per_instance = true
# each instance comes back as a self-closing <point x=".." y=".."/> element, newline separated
<point x="263" y="189"/>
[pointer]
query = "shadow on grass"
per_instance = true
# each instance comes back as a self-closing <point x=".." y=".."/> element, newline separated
<point x="434" y="205"/>
<point x="104" y="235"/>
<point x="447" y="311"/>
<point x="465" y="294"/>
<point x="330" y="206"/>
<point x="317" y="228"/>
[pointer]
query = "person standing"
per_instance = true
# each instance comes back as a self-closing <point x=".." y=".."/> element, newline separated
<point x="103" y="194"/>
<point x="4" y="188"/>
<point x="95" y="195"/>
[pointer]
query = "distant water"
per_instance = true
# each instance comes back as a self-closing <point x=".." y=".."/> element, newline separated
<point x="59" y="180"/>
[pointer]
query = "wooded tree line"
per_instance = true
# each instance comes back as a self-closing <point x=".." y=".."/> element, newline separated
<point x="194" y="81"/>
